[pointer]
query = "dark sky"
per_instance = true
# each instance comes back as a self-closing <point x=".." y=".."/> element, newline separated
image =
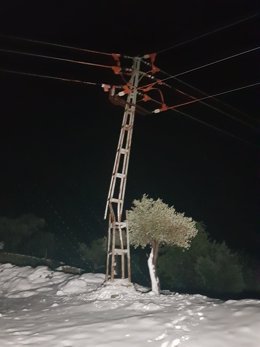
<point x="58" y="139"/>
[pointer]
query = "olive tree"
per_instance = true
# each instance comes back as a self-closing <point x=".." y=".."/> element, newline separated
<point x="154" y="223"/>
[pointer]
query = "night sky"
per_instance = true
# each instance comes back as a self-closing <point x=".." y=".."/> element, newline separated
<point x="58" y="139"/>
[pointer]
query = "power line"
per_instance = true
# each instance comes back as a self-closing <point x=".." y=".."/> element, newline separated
<point x="205" y="103"/>
<point x="99" y="84"/>
<point x="217" y="100"/>
<point x="205" y="123"/>
<point x="213" y="95"/>
<point x="9" y="51"/>
<point x="56" y="45"/>
<point x="179" y="44"/>
<point x="211" y="63"/>
<point x="96" y="84"/>
<point x="204" y="93"/>
<point x="107" y="66"/>
<point x="50" y="77"/>
<point x="214" y="127"/>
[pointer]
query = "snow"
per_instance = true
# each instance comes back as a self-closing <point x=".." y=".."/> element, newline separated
<point x="40" y="307"/>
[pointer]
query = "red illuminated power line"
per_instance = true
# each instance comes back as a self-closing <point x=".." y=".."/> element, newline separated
<point x="105" y="86"/>
<point x="116" y="69"/>
<point x="170" y="76"/>
<point x="207" y="97"/>
<point x="151" y="85"/>
<point x="57" y="45"/>
<point x="208" y="64"/>
<point x="216" y="100"/>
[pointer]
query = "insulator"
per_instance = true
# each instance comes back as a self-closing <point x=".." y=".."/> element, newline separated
<point x="106" y="87"/>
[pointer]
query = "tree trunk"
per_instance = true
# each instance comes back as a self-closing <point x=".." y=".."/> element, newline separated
<point x="152" y="264"/>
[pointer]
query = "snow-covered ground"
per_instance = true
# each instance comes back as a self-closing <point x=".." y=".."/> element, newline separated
<point x="39" y="307"/>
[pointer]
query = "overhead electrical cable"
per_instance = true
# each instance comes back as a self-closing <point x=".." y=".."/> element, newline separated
<point x="211" y="63"/>
<point x="212" y="96"/>
<point x="98" y="84"/>
<point x="51" y="77"/>
<point x="206" y="103"/>
<point x="179" y="44"/>
<point x="215" y="98"/>
<point x="56" y="45"/>
<point x="201" y="100"/>
<point x="170" y="76"/>
<point x="220" y="102"/>
<point x="214" y="127"/>
<point x="206" y="123"/>
<point x="110" y="66"/>
<point x="80" y="62"/>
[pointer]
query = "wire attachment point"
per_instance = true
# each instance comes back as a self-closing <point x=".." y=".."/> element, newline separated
<point x="106" y="87"/>
<point x="116" y="69"/>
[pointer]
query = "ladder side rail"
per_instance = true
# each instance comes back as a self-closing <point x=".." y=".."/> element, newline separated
<point x="128" y="109"/>
<point x="115" y="170"/>
<point x="132" y="101"/>
<point x="118" y="230"/>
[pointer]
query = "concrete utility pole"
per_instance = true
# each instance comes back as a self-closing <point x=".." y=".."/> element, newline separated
<point x="118" y="248"/>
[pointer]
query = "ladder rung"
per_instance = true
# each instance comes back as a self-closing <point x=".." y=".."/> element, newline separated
<point x="118" y="251"/>
<point x="120" y="175"/>
<point x="124" y="150"/>
<point x="118" y="226"/>
<point x="116" y="200"/>
<point x="121" y="224"/>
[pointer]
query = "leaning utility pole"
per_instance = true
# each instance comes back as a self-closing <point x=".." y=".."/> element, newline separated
<point x="118" y="248"/>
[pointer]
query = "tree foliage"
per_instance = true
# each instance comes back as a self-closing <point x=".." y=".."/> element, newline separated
<point x="153" y="220"/>
<point x="207" y="267"/>
<point x="154" y="223"/>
